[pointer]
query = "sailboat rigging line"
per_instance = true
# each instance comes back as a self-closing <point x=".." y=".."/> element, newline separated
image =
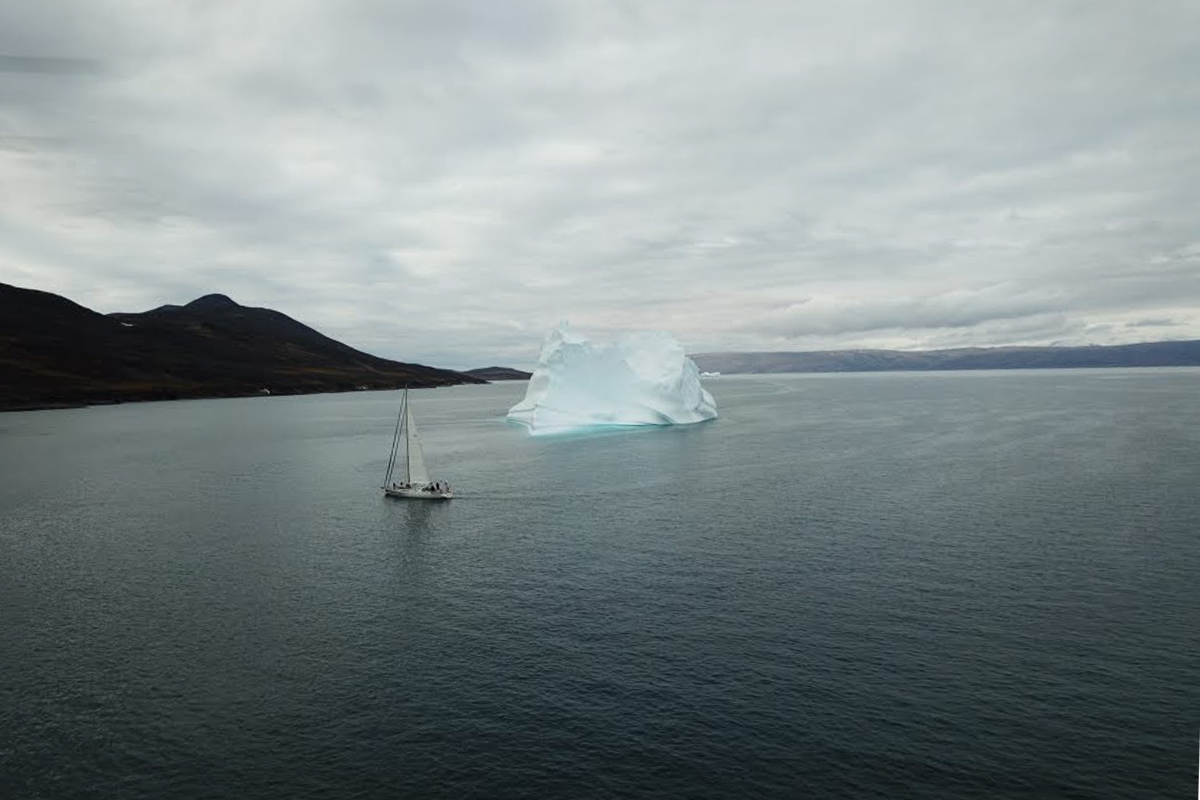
<point x="387" y="479"/>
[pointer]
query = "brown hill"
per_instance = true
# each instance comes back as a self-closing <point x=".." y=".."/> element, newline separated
<point x="500" y="374"/>
<point x="54" y="352"/>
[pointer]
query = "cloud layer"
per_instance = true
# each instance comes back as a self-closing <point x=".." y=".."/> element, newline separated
<point x="444" y="181"/>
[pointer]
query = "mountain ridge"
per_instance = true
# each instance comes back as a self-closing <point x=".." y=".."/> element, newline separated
<point x="499" y="373"/>
<point x="55" y="352"/>
<point x="1140" y="354"/>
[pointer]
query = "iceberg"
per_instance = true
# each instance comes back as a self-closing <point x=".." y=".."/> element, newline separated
<point x="640" y="379"/>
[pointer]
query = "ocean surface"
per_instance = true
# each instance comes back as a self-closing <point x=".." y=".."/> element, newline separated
<point x="941" y="585"/>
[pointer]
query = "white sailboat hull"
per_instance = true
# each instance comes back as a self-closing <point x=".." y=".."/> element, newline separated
<point x="414" y="493"/>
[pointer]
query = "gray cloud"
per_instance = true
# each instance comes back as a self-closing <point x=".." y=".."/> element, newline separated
<point x="444" y="181"/>
<point x="1154" y="323"/>
<point x="48" y="65"/>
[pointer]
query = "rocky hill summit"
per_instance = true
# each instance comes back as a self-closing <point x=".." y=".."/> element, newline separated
<point x="54" y="352"/>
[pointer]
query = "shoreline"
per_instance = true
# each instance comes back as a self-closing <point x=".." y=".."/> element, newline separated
<point x="61" y="405"/>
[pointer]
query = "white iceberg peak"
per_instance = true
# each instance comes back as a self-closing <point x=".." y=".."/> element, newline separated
<point x="640" y="379"/>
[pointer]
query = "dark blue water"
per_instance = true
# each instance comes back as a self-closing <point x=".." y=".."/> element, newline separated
<point x="909" y="585"/>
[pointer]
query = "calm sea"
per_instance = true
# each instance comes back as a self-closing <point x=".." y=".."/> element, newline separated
<point x="897" y="585"/>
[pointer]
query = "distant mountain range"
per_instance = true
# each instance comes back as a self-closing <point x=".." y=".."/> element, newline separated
<point x="499" y="374"/>
<point x="54" y="352"/>
<point x="1148" y="354"/>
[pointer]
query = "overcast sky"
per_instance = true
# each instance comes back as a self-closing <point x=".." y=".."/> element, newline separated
<point x="442" y="182"/>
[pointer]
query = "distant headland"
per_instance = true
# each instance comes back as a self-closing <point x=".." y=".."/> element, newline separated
<point x="1146" y="354"/>
<point x="55" y="353"/>
<point x="499" y="374"/>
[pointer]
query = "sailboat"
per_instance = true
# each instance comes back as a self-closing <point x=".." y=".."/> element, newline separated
<point x="416" y="484"/>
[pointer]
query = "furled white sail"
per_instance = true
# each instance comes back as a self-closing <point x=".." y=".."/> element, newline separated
<point x="418" y="475"/>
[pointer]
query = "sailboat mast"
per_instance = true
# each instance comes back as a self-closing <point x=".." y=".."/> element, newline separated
<point x="387" y="479"/>
<point x="407" y="440"/>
